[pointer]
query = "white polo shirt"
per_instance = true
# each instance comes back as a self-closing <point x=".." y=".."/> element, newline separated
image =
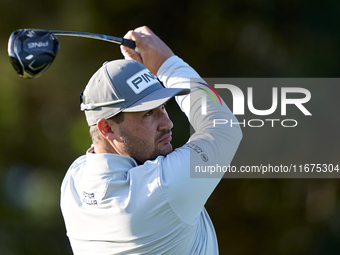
<point x="111" y="205"/>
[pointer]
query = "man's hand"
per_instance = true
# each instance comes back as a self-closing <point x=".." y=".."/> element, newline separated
<point x="152" y="51"/>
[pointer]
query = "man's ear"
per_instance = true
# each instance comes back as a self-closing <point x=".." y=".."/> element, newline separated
<point x="106" y="128"/>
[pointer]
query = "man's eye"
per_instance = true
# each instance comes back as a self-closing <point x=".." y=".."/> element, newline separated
<point x="148" y="113"/>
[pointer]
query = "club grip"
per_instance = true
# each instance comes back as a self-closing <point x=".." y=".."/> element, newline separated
<point x="129" y="43"/>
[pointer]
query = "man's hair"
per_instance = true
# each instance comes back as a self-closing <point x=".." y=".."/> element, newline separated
<point x="96" y="135"/>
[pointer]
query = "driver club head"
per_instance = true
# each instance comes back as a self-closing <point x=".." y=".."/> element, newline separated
<point x="32" y="51"/>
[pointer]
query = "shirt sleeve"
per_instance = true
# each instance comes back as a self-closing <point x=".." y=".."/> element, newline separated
<point x="209" y="146"/>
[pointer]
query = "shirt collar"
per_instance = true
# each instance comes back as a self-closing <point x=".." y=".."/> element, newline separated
<point x="108" y="162"/>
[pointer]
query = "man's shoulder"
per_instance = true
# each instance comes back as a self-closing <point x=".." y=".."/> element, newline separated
<point x="74" y="167"/>
<point x="78" y="162"/>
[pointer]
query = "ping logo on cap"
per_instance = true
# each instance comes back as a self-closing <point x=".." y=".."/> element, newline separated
<point x="141" y="81"/>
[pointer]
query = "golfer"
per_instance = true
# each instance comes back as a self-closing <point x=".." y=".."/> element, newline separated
<point x="132" y="193"/>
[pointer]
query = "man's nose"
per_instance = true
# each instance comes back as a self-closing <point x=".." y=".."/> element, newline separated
<point x="165" y="122"/>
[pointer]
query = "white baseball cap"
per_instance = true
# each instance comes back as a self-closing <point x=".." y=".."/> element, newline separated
<point x="123" y="86"/>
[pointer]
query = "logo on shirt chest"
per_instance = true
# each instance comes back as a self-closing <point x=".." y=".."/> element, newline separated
<point x="89" y="198"/>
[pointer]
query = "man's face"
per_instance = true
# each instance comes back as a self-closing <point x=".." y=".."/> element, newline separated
<point x="145" y="135"/>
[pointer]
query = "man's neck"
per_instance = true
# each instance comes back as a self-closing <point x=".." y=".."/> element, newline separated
<point x="104" y="148"/>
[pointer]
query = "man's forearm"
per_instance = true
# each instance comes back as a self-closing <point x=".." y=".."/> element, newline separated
<point x="218" y="140"/>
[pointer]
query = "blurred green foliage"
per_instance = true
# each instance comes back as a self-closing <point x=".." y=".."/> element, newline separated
<point x="43" y="130"/>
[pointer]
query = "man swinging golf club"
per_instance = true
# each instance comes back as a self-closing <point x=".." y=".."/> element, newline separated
<point x="131" y="193"/>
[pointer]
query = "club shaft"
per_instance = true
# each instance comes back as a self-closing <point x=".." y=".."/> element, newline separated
<point x="102" y="37"/>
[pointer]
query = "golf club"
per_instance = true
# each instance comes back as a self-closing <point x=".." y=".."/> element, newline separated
<point x="32" y="51"/>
